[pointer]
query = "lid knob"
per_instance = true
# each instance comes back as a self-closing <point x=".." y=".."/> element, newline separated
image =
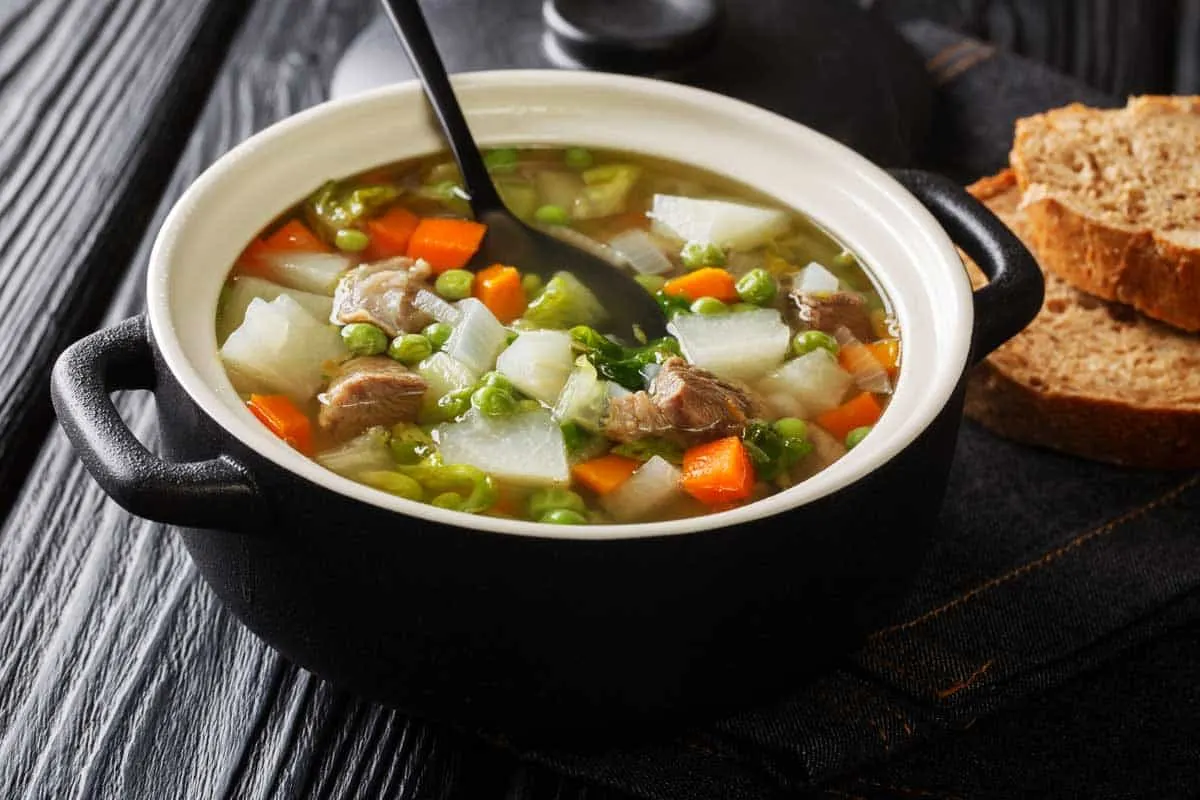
<point x="641" y="37"/>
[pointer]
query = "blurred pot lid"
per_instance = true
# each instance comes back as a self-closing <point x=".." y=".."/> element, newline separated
<point x="824" y="63"/>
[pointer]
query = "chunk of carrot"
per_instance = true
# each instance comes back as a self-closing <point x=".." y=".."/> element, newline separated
<point x="858" y="358"/>
<point x="295" y="236"/>
<point x="704" y="282"/>
<point x="887" y="352"/>
<point x="499" y="288"/>
<point x="719" y="472"/>
<point x="604" y="474"/>
<point x="284" y="419"/>
<point x="390" y="234"/>
<point x="446" y="243"/>
<point x="857" y="412"/>
<point x="292" y="237"/>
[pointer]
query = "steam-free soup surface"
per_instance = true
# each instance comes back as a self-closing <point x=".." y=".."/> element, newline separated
<point x="353" y="331"/>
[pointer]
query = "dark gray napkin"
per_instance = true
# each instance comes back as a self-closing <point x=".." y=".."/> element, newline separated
<point x="1043" y="565"/>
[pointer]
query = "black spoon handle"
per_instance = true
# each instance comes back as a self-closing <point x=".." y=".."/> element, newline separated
<point x="414" y="33"/>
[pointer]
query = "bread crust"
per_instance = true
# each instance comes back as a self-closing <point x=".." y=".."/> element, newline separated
<point x="1036" y="413"/>
<point x="1141" y="268"/>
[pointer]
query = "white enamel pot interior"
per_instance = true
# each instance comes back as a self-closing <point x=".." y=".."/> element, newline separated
<point x="902" y="245"/>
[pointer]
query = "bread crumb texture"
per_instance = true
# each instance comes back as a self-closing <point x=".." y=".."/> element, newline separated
<point x="1112" y="201"/>
<point x="1088" y="376"/>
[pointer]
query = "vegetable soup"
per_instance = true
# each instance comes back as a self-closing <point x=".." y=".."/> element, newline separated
<point x="354" y="330"/>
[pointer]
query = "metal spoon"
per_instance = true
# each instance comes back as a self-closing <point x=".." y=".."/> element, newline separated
<point x="508" y="239"/>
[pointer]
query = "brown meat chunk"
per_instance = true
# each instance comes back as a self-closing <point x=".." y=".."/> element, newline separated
<point x="684" y="404"/>
<point x="828" y="312"/>
<point x="382" y="294"/>
<point x="369" y="391"/>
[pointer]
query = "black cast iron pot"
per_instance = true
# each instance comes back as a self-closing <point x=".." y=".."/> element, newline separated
<point x="516" y="627"/>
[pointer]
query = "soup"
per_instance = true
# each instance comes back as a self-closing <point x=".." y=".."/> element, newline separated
<point x="353" y="330"/>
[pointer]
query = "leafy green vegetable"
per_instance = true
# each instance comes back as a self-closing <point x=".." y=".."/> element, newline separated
<point x="646" y="449"/>
<point x="450" y="194"/>
<point x="620" y="364"/>
<point x="564" y="303"/>
<point x="671" y="304"/>
<point x="605" y="190"/>
<point x="410" y="445"/>
<point x="520" y="196"/>
<point x="772" y="453"/>
<point x="337" y="205"/>
<point x="581" y="443"/>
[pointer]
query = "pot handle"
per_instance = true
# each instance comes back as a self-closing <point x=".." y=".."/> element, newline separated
<point x="218" y="493"/>
<point x="1015" y="287"/>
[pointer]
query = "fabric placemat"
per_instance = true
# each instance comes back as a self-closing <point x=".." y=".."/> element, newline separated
<point x="1042" y="564"/>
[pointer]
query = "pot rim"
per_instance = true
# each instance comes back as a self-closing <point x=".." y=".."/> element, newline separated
<point x="518" y="98"/>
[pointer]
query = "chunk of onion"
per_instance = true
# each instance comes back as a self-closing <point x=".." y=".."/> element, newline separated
<point x="538" y="363"/>
<point x="814" y="381"/>
<point x="445" y="375"/>
<point x="281" y="348"/>
<point x="741" y="346"/>
<point x="868" y="373"/>
<point x="478" y="336"/>
<point x="244" y="288"/>
<point x="436" y="307"/>
<point x="652" y="488"/>
<point x="584" y="398"/>
<point x="641" y="251"/>
<point x="525" y="449"/>
<point x="309" y="272"/>
<point x="366" y="452"/>
<point x="815" y="278"/>
<point x="734" y="225"/>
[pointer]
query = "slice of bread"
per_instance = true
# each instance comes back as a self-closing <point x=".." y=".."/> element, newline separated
<point x="1088" y="377"/>
<point x="1112" y="199"/>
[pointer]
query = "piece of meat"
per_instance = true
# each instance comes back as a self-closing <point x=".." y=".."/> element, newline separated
<point x="382" y="294"/>
<point x="685" y="404"/>
<point x="829" y="311"/>
<point x="370" y="391"/>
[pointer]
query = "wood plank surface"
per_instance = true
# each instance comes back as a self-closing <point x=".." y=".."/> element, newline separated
<point x="96" y="102"/>
<point x="121" y="676"/>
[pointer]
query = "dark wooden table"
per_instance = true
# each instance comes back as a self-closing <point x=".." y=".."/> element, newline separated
<point x="120" y="674"/>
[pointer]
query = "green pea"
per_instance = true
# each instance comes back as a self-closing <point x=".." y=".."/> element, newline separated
<point x="351" y="240"/>
<point x="855" y="437"/>
<point x="395" y="483"/>
<point x="410" y="348"/>
<point x="454" y="404"/>
<point x="552" y="215"/>
<point x="757" y="286"/>
<point x="563" y="516"/>
<point x="545" y="500"/>
<point x="364" y="339"/>
<point x="532" y="284"/>
<point x="438" y="333"/>
<point x="738" y="308"/>
<point x="450" y="500"/>
<point x="503" y="159"/>
<point x="496" y="381"/>
<point x="527" y="404"/>
<point x="454" y="284"/>
<point x="709" y="305"/>
<point x="409" y="444"/>
<point x="702" y="254"/>
<point x="651" y="283"/>
<point x="791" y="428"/>
<point x="845" y="259"/>
<point x="809" y="341"/>
<point x="493" y="402"/>
<point x="578" y="158"/>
